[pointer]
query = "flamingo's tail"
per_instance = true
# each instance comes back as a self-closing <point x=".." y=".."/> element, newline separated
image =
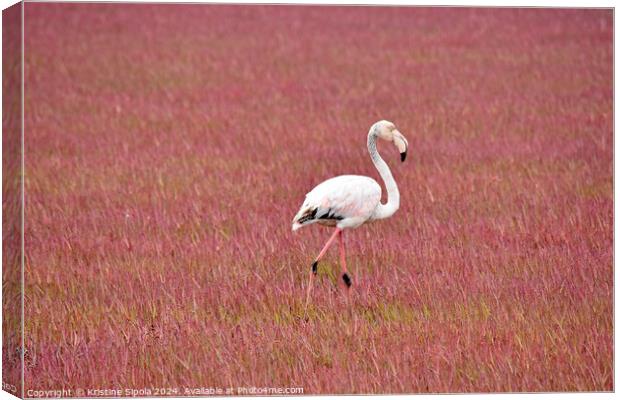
<point x="305" y="216"/>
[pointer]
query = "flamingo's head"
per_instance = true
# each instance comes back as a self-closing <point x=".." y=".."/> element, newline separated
<point x="386" y="130"/>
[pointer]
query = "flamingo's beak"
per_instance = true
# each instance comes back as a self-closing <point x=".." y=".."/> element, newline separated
<point x="401" y="143"/>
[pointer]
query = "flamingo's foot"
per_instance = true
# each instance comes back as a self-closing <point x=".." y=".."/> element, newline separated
<point x="347" y="279"/>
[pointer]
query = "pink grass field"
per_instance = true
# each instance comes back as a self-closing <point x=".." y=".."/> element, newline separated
<point x="168" y="147"/>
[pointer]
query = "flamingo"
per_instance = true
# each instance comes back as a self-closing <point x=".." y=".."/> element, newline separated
<point x="349" y="201"/>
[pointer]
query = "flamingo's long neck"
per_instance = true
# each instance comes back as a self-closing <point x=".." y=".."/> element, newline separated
<point x="393" y="200"/>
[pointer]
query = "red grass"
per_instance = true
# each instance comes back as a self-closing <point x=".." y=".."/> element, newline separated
<point x="168" y="148"/>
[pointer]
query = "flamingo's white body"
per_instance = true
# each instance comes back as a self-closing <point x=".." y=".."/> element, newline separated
<point x="348" y="201"/>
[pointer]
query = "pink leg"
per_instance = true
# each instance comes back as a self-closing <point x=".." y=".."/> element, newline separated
<point x="343" y="262"/>
<point x="316" y="263"/>
<point x="329" y="243"/>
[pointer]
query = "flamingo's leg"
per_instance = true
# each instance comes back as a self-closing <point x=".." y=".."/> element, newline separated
<point x="315" y="264"/>
<point x="343" y="262"/>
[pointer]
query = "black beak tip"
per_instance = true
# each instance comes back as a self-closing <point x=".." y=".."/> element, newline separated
<point x="403" y="156"/>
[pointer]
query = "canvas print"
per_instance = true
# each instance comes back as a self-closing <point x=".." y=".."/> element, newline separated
<point x="204" y="199"/>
